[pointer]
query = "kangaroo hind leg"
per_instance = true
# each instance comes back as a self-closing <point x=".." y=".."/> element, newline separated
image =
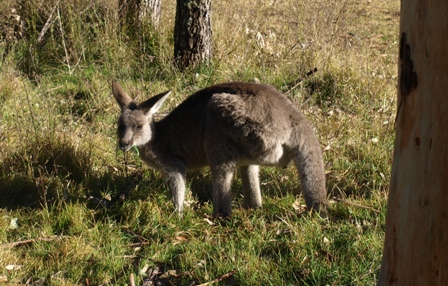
<point x="222" y="177"/>
<point x="251" y="186"/>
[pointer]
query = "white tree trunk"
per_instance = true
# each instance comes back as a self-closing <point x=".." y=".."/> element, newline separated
<point x="151" y="7"/>
<point x="416" y="243"/>
<point x="133" y="12"/>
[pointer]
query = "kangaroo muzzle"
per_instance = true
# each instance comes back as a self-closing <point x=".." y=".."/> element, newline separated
<point x="124" y="145"/>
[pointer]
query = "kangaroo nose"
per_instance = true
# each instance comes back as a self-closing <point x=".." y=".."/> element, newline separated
<point x="125" y="145"/>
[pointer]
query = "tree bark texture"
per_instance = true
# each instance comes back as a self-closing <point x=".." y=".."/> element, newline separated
<point x="416" y="242"/>
<point x="193" y="32"/>
<point x="152" y="7"/>
<point x="133" y="12"/>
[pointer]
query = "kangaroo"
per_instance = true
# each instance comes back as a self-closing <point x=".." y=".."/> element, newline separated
<point x="225" y="126"/>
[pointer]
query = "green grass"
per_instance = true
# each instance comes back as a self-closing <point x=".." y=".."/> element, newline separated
<point x="86" y="214"/>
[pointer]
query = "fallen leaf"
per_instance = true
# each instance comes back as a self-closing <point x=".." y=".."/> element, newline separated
<point x="168" y="274"/>
<point x="209" y="221"/>
<point x="142" y="272"/>
<point x="181" y="238"/>
<point x="40" y="281"/>
<point x="59" y="274"/>
<point x="282" y="231"/>
<point x="201" y="264"/>
<point x="14" y="224"/>
<point x="300" y="208"/>
<point x="11" y="267"/>
<point x="284" y="179"/>
<point x="132" y="279"/>
<point x="358" y="226"/>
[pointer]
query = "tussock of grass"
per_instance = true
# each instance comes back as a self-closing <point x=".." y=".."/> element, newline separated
<point x="88" y="214"/>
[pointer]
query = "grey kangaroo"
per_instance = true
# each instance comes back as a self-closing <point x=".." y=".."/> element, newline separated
<point x="225" y="126"/>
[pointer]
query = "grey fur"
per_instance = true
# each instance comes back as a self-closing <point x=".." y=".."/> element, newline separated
<point x="225" y="126"/>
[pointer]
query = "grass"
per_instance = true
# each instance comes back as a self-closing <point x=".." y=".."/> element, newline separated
<point x="76" y="211"/>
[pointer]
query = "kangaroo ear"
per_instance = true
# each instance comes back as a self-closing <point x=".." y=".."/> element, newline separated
<point x="122" y="98"/>
<point x="152" y="105"/>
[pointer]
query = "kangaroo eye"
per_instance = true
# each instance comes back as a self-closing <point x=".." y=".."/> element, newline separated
<point x="139" y="127"/>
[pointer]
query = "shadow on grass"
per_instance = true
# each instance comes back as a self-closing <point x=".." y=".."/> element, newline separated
<point x="48" y="170"/>
<point x="42" y="171"/>
<point x="55" y="171"/>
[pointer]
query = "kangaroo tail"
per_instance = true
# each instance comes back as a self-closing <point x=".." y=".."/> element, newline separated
<point x="309" y="163"/>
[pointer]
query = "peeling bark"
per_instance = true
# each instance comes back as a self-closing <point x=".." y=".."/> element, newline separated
<point x="416" y="243"/>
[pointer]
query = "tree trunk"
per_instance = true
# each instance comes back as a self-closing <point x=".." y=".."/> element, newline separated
<point x="416" y="243"/>
<point x="193" y="32"/>
<point x="151" y="7"/>
<point x="133" y="12"/>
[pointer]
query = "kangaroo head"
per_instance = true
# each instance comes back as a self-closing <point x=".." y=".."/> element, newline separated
<point x="135" y="124"/>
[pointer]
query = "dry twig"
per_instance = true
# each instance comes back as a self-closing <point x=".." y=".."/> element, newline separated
<point x="355" y="204"/>
<point x="47" y="24"/>
<point x="222" y="277"/>
<point x="299" y="81"/>
<point x="29" y="241"/>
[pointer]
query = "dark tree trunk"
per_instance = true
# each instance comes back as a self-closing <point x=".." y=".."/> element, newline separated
<point x="193" y="32"/>
<point x="416" y="243"/>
